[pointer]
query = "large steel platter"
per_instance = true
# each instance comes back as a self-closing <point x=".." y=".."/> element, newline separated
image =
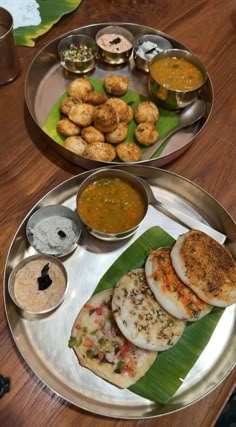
<point x="43" y="343"/>
<point x="46" y="81"/>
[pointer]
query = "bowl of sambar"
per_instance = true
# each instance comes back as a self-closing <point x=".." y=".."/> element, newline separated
<point x="176" y="77"/>
<point x="111" y="203"/>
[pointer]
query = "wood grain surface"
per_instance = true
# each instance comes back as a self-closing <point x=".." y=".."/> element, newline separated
<point x="29" y="168"/>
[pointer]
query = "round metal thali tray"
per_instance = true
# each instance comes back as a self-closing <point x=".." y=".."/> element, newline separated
<point x="44" y="343"/>
<point x="46" y="81"/>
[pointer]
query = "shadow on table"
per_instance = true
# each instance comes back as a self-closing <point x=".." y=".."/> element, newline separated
<point x="228" y="415"/>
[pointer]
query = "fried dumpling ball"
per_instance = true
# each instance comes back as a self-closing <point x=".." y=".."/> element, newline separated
<point x="117" y="135"/>
<point x="128" y="152"/>
<point x="67" y="103"/>
<point x="146" y="133"/>
<point x="146" y="111"/>
<point x="101" y="151"/>
<point x="116" y="84"/>
<point x="130" y="114"/>
<point x="95" y="98"/>
<point x="91" y="134"/>
<point x="106" y="118"/>
<point x="120" y="106"/>
<point x="82" y="114"/>
<point x="67" y="128"/>
<point x="79" y="88"/>
<point x="76" y="144"/>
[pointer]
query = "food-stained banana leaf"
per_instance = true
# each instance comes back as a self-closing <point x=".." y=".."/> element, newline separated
<point x="167" y="119"/>
<point x="171" y="366"/>
<point x="51" y="12"/>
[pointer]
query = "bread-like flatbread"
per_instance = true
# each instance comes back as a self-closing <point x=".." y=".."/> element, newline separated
<point x="206" y="267"/>
<point x="173" y="295"/>
<point x="102" y="348"/>
<point x="140" y="317"/>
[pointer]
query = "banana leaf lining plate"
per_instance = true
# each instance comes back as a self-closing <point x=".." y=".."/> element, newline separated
<point x="47" y="81"/>
<point x="44" y="343"/>
<point x="50" y="13"/>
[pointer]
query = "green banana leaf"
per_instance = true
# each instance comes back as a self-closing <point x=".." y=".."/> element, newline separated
<point x="170" y="368"/>
<point x="51" y="12"/>
<point x="167" y="119"/>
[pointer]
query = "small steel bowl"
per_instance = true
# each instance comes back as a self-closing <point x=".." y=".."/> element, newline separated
<point x="29" y="287"/>
<point x="146" y="47"/>
<point x="112" y="173"/>
<point x="51" y="239"/>
<point x="170" y="98"/>
<point x="75" y="65"/>
<point x="117" y="57"/>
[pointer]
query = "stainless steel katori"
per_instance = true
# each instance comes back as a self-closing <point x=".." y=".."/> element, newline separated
<point x="146" y="47"/>
<point x="47" y="81"/>
<point x="45" y="349"/>
<point x="109" y="56"/>
<point x="52" y="302"/>
<point x="175" y="99"/>
<point x="49" y="241"/>
<point x="107" y="173"/>
<point x="78" y="53"/>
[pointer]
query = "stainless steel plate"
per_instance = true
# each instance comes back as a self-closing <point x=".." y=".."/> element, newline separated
<point x="44" y="343"/>
<point x="46" y="81"/>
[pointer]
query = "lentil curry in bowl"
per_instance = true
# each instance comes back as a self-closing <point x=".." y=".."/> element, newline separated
<point x="112" y="204"/>
<point x="176" y="77"/>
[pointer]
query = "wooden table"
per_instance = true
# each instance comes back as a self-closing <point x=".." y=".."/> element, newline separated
<point x="29" y="168"/>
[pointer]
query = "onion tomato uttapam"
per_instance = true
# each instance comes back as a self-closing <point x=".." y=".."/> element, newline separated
<point x="206" y="267"/>
<point x="140" y="317"/>
<point x="173" y="295"/>
<point x="101" y="347"/>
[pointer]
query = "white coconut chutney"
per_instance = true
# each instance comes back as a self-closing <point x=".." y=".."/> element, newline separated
<point x="54" y="235"/>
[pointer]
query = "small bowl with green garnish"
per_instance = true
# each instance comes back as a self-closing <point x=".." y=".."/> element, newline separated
<point x="78" y="53"/>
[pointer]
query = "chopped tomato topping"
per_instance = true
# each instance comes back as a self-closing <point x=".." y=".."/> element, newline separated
<point x="78" y="327"/>
<point x="130" y="367"/>
<point x="124" y="348"/>
<point x="99" y="310"/>
<point x="170" y="282"/>
<point x="88" y="342"/>
<point x="88" y="306"/>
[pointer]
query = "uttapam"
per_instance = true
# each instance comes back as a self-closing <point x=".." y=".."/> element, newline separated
<point x="101" y="347"/>
<point x="206" y="267"/>
<point x="173" y="295"/>
<point x="140" y="317"/>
